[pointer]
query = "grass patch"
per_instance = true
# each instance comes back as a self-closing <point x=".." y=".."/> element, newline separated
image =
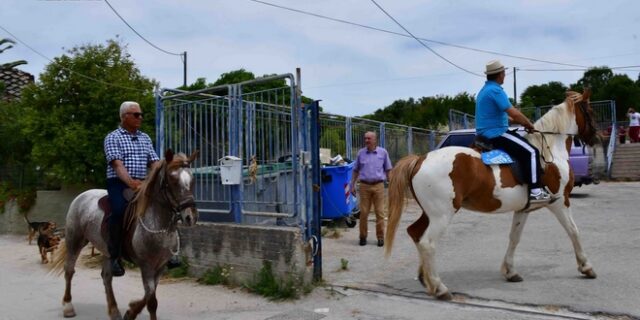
<point x="344" y="264"/>
<point x="266" y="284"/>
<point x="217" y="275"/>
<point x="180" y="272"/>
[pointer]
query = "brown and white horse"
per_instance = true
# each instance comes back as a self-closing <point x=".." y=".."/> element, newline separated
<point x="150" y="239"/>
<point x="446" y="180"/>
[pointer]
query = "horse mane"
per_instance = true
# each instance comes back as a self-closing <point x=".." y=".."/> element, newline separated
<point x="557" y="120"/>
<point x="150" y="187"/>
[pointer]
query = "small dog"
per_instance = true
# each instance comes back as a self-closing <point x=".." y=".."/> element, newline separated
<point x="47" y="243"/>
<point x="39" y="227"/>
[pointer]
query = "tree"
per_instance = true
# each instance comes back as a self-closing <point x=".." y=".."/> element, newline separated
<point x="9" y="44"/>
<point x="544" y="94"/>
<point x="76" y="103"/>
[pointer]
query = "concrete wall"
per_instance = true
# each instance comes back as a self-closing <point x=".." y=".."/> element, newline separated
<point x="206" y="245"/>
<point x="49" y="206"/>
<point x="245" y="247"/>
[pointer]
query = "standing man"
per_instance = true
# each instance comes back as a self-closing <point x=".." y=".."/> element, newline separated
<point x="493" y="113"/>
<point x="634" y="125"/>
<point x="129" y="154"/>
<point x="372" y="168"/>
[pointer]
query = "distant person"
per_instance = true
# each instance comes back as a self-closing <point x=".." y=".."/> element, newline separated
<point x="493" y="112"/>
<point x="371" y="168"/>
<point x="634" y="125"/>
<point x="621" y="133"/>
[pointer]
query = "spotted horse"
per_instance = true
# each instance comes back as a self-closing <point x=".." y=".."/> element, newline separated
<point x="448" y="179"/>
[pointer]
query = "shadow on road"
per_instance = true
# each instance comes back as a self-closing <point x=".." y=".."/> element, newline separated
<point x="578" y="195"/>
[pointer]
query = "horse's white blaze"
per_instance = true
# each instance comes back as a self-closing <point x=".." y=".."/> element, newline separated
<point x="185" y="179"/>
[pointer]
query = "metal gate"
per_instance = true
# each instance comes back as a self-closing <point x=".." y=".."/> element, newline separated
<point x="259" y="121"/>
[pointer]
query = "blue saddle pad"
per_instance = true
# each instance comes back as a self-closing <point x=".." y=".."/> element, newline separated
<point x="496" y="156"/>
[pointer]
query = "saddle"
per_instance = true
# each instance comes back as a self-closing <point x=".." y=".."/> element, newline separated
<point x="491" y="156"/>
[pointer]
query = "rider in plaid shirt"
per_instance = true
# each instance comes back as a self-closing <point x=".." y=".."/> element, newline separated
<point x="129" y="154"/>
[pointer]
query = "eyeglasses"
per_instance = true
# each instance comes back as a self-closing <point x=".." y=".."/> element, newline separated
<point x="135" y="114"/>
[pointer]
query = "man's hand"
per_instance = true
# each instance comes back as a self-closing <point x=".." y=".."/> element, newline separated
<point x="135" y="184"/>
<point x="353" y="189"/>
<point x="529" y="127"/>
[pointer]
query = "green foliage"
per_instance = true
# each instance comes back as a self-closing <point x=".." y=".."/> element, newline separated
<point x="426" y="112"/>
<point x="6" y="44"/>
<point x="217" y="275"/>
<point x="266" y="284"/>
<point x="344" y="264"/>
<point x="544" y="94"/>
<point x="67" y="116"/>
<point x="180" y="272"/>
<point x="334" y="140"/>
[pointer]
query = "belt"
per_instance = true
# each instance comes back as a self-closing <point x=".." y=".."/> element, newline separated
<point x="371" y="182"/>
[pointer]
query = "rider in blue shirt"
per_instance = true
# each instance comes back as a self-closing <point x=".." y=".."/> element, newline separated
<point x="493" y="113"/>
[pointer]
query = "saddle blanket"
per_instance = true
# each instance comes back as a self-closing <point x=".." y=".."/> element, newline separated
<point x="496" y="156"/>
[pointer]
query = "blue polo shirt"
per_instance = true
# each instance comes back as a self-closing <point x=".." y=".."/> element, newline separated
<point x="491" y="106"/>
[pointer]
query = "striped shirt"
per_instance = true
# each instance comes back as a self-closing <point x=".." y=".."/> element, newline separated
<point x="134" y="150"/>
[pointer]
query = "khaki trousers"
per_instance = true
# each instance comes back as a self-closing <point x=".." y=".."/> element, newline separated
<point x="372" y="195"/>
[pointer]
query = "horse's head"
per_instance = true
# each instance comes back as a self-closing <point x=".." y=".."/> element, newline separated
<point x="585" y="120"/>
<point x="179" y="184"/>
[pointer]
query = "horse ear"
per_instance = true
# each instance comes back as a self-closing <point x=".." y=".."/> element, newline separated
<point x="168" y="155"/>
<point x="586" y="94"/>
<point x="193" y="156"/>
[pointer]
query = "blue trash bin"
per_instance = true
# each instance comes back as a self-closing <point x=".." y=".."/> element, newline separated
<point x="337" y="199"/>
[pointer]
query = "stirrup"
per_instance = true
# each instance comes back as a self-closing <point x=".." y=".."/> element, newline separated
<point x="116" y="268"/>
<point x="543" y="196"/>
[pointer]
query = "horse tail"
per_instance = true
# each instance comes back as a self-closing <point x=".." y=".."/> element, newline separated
<point x="59" y="258"/>
<point x="399" y="179"/>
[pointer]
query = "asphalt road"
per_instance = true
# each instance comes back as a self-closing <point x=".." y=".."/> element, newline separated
<point x="470" y="254"/>
<point x="371" y="287"/>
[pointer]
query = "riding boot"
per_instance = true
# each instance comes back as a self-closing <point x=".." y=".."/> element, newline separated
<point x="174" y="262"/>
<point x="115" y="250"/>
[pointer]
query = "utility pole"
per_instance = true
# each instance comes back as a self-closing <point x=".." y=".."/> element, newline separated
<point x="184" y="68"/>
<point x="515" y="93"/>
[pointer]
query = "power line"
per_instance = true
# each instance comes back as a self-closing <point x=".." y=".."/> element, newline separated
<point x="408" y="36"/>
<point x="136" y="32"/>
<point x="65" y="68"/>
<point x="422" y="43"/>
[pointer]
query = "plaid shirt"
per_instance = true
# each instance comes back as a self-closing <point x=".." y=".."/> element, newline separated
<point x="134" y="150"/>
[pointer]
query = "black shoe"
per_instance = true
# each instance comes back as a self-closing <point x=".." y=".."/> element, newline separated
<point x="116" y="268"/>
<point x="174" y="262"/>
<point x="363" y="242"/>
<point x="380" y="242"/>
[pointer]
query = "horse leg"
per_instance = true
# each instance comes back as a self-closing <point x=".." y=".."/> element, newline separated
<point x="564" y="216"/>
<point x="517" y="225"/>
<point x="107" y="279"/>
<point x="152" y="304"/>
<point x="149" y="282"/>
<point x="73" y="247"/>
<point x="427" y="250"/>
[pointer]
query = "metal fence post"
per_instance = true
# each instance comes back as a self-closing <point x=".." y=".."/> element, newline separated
<point x="410" y="140"/>
<point x="381" y="139"/>
<point x="159" y="124"/>
<point x="349" y="138"/>
<point x="316" y="236"/>
<point x="432" y="140"/>
<point x="235" y="120"/>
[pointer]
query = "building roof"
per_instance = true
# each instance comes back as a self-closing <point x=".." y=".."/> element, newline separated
<point x="14" y="81"/>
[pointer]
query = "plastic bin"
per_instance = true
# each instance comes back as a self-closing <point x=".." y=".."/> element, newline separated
<point x="337" y="199"/>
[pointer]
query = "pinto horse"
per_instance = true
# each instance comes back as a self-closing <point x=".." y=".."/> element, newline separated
<point x="151" y="236"/>
<point x="446" y="180"/>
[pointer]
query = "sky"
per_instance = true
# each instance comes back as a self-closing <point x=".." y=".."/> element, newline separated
<point x="354" y="70"/>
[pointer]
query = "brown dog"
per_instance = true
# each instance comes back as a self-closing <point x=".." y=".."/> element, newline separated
<point x="47" y="243"/>
<point x="39" y="227"/>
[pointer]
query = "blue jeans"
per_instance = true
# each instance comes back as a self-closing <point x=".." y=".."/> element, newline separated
<point x="115" y="187"/>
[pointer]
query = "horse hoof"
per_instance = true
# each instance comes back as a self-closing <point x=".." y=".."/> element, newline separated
<point x="128" y="316"/>
<point x="421" y="279"/>
<point x="445" y="296"/>
<point x="515" y="278"/>
<point x="590" y="274"/>
<point x="68" y="311"/>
